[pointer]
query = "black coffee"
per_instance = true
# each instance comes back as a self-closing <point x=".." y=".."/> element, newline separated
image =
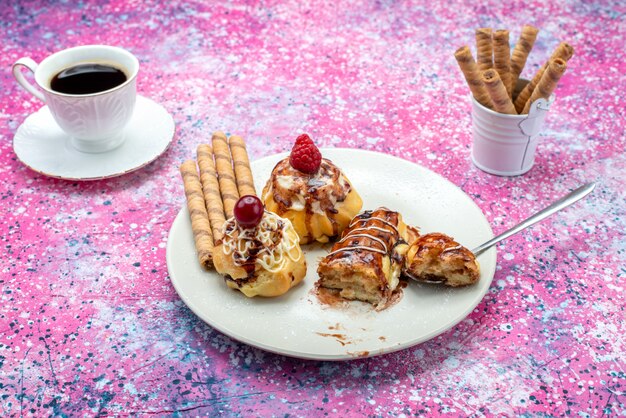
<point x="87" y="79"/>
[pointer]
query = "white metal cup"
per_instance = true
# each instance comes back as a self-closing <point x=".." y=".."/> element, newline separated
<point x="504" y="144"/>
<point x="95" y="122"/>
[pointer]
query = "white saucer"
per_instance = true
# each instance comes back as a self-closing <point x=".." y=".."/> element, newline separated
<point x="43" y="147"/>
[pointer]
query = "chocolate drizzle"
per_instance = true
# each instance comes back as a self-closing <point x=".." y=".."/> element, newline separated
<point x="375" y="232"/>
<point x="254" y="247"/>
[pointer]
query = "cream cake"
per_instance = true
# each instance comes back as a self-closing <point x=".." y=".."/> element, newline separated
<point x="312" y="193"/>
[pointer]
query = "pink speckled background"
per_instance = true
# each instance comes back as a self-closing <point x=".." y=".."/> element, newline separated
<point x="90" y="323"/>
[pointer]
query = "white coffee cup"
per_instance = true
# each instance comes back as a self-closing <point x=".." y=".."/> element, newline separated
<point x="95" y="122"/>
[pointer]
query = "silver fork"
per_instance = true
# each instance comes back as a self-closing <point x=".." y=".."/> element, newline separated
<point x="562" y="203"/>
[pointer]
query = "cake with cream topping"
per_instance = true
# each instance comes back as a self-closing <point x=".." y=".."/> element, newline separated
<point x="312" y="192"/>
<point x="259" y="257"/>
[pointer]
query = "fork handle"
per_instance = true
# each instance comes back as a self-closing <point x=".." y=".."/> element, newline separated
<point x="562" y="203"/>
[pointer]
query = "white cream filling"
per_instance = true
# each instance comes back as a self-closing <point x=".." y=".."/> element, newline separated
<point x="298" y="203"/>
<point x="317" y="208"/>
<point x="285" y="181"/>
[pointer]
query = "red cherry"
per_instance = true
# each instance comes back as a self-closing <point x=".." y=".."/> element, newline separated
<point x="248" y="211"/>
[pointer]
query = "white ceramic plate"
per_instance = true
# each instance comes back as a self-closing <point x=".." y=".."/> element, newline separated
<point x="297" y="324"/>
<point x="42" y="146"/>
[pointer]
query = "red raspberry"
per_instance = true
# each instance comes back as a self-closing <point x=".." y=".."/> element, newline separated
<point x="305" y="156"/>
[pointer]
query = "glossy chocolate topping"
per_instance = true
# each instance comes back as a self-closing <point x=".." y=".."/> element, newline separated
<point x="370" y="234"/>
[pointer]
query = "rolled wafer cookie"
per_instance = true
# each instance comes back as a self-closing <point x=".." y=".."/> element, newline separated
<point x="524" y="95"/>
<point x="241" y="164"/>
<point x="548" y="82"/>
<point x="564" y="51"/>
<point x="472" y="76"/>
<point x="211" y="190"/>
<point x="197" y="212"/>
<point x="502" y="58"/>
<point x="501" y="101"/>
<point x="484" y="49"/>
<point x="520" y="52"/>
<point x="225" y="172"/>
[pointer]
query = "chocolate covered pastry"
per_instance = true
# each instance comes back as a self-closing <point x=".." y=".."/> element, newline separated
<point x="367" y="262"/>
<point x="437" y="258"/>
<point x="312" y="192"/>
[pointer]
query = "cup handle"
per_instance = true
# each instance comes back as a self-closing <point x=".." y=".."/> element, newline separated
<point x="19" y="76"/>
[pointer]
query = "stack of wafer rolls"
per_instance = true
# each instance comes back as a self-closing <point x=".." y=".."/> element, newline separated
<point x="496" y="67"/>
<point x="213" y="184"/>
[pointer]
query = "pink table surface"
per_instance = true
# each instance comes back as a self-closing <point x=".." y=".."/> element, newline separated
<point x="90" y="323"/>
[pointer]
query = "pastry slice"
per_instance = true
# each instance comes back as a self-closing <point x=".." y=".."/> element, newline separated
<point x="366" y="263"/>
<point x="437" y="258"/>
